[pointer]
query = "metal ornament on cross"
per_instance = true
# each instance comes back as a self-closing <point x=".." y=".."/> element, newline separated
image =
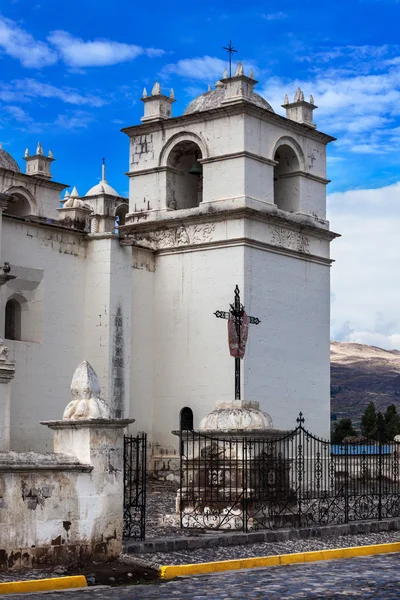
<point x="238" y="324"/>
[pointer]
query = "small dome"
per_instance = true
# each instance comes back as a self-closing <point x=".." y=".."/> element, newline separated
<point x="213" y="99"/>
<point x="7" y="161"/>
<point x="102" y="188"/>
<point x="247" y="417"/>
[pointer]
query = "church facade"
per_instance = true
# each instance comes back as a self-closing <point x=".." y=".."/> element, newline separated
<point x="229" y="193"/>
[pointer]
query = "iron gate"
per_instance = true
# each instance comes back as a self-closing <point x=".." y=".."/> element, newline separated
<point x="295" y="480"/>
<point x="135" y="469"/>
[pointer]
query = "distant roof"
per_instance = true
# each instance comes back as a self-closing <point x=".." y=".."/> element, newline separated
<point x="212" y="99"/>
<point x="358" y="449"/>
<point x="7" y="161"/>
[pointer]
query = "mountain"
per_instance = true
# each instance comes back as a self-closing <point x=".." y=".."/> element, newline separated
<point x="359" y="374"/>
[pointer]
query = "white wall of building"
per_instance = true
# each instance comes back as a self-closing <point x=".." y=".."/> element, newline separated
<point x="51" y="268"/>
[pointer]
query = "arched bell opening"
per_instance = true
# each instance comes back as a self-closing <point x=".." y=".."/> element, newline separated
<point x="18" y="206"/>
<point x="185" y="176"/>
<point x="287" y="179"/>
<point x="120" y="214"/>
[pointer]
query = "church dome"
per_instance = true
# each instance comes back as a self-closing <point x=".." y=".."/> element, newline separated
<point x="102" y="187"/>
<point x="7" y="161"/>
<point x="213" y="99"/>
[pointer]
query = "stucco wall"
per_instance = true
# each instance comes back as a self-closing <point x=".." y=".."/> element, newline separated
<point x="65" y="506"/>
<point x="51" y="269"/>
<point x="286" y="366"/>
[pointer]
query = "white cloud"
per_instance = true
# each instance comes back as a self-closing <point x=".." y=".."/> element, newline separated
<point x="76" y="52"/>
<point x="21" y="45"/>
<point x="362" y="109"/>
<point x="74" y="120"/>
<point x="365" y="284"/>
<point x="24" y="90"/>
<point x="205" y="68"/>
<point x="17" y="113"/>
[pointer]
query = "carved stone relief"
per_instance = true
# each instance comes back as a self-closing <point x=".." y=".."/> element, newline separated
<point x="176" y="236"/>
<point x="292" y="240"/>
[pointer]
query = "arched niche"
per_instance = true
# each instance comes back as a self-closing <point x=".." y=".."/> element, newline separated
<point x="186" y="419"/>
<point x="184" y="176"/>
<point x="287" y="176"/>
<point x="21" y="203"/>
<point x="13" y="319"/>
<point x="120" y="213"/>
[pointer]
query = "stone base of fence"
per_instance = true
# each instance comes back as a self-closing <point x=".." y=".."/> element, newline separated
<point x="221" y="538"/>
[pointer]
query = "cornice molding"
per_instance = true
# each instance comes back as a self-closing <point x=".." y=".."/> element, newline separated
<point x="170" y="219"/>
<point x="241" y="107"/>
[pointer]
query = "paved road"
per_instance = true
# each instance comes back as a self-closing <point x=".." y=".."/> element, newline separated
<point x="375" y="577"/>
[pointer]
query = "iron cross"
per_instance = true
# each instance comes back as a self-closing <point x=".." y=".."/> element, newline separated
<point x="230" y="50"/>
<point x="236" y="313"/>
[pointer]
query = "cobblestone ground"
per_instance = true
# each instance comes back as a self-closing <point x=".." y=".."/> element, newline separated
<point x="265" y="549"/>
<point x="375" y="577"/>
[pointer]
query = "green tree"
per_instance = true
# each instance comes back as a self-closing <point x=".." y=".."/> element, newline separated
<point x="391" y="422"/>
<point x="369" y="423"/>
<point x="342" y="429"/>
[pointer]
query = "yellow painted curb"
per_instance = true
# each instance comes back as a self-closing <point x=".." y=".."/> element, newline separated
<point x="43" y="585"/>
<point x="171" y="571"/>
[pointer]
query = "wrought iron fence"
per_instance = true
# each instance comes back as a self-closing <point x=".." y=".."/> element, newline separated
<point x="293" y="480"/>
<point x="135" y="465"/>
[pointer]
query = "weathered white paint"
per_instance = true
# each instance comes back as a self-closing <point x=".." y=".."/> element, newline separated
<point x="65" y="505"/>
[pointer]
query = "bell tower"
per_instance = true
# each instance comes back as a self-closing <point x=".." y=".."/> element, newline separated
<point x="229" y="193"/>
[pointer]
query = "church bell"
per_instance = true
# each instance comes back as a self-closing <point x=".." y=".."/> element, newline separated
<point x="196" y="168"/>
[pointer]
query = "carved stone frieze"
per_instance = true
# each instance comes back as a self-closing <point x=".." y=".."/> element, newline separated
<point x="292" y="240"/>
<point x="172" y="237"/>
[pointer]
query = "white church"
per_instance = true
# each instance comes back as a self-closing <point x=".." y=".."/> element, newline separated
<point x="229" y="193"/>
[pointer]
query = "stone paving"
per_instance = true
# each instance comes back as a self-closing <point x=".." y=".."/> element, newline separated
<point x="376" y="577"/>
<point x="262" y="549"/>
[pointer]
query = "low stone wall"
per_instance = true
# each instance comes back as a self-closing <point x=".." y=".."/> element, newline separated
<point x="55" y="508"/>
<point x="66" y="505"/>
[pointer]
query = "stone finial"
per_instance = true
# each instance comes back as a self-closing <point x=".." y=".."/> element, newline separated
<point x="39" y="149"/>
<point x="251" y="74"/>
<point x="219" y="84"/>
<point x="50" y="154"/>
<point x="172" y="93"/>
<point x="66" y="195"/>
<point x="26" y="153"/>
<point x="1" y="145"/>
<point x="209" y="88"/>
<point x="156" y="91"/>
<point x="239" y="69"/>
<point x="225" y="74"/>
<point x="311" y="99"/>
<point x="302" y="96"/>
<point x="286" y="100"/>
<point x="74" y="193"/>
<point x="297" y="96"/>
<point x="144" y="93"/>
<point x="85" y="389"/>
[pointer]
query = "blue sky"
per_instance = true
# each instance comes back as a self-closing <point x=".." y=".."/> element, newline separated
<point x="72" y="73"/>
